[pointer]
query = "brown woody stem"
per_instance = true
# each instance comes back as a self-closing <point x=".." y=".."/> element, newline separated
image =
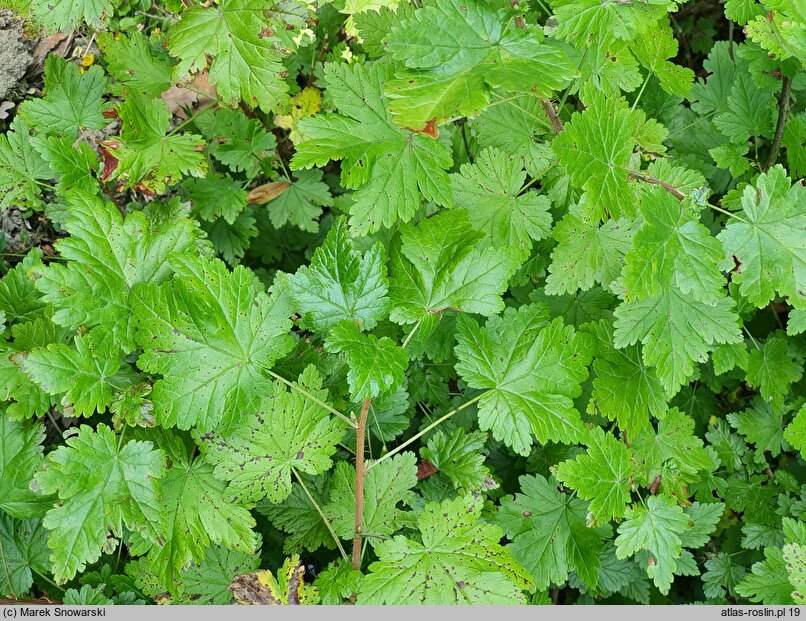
<point x="360" y="471"/>
<point x="783" y="109"/>
<point x="548" y="108"/>
<point x="669" y="188"/>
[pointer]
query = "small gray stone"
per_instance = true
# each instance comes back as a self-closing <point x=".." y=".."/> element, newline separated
<point x="14" y="55"/>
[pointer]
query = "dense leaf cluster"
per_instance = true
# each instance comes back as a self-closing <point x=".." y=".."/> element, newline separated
<point x="507" y="299"/>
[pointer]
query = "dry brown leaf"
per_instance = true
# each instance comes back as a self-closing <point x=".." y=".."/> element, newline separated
<point x="262" y="194"/>
<point x="179" y="98"/>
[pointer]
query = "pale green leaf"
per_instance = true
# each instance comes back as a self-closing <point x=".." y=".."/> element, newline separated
<point x="603" y="475"/>
<point x="457" y="559"/>
<point x="102" y="487"/>
<point x="340" y="284"/>
<point x="531" y="371"/>
<point x="288" y="430"/>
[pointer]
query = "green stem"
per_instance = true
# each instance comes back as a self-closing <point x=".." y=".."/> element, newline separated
<point x="189" y="120"/>
<point x="750" y="336"/>
<point x="419" y="435"/>
<point x="46" y="579"/>
<point x="727" y="213"/>
<point x="411" y="333"/>
<point x="317" y="401"/>
<point x="641" y="92"/>
<point x="322" y="515"/>
<point x="120" y="439"/>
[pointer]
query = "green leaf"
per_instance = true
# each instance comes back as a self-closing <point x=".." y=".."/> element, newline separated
<point x="231" y="241"/>
<point x="480" y="49"/>
<point x="386" y="486"/>
<point x="208" y="582"/>
<point x="199" y="514"/>
<point x="793" y="140"/>
<point x="730" y="356"/>
<point x="439" y="264"/>
<point x="588" y="253"/>
<point x="102" y="486"/>
<point x="74" y="166"/>
<point x="731" y="157"/>
<point x="595" y="149"/>
<point x="209" y="332"/>
<point x="722" y="576"/>
<point x="673" y="453"/>
<point x="457" y="559"/>
<point x="88" y="375"/>
<point x="460" y="456"/>
<point x="653" y="49"/>
<point x="676" y="331"/>
<point x="72" y="100"/>
<point x="490" y="191"/>
<point x="134" y="61"/>
<point x="796" y="323"/>
<point x="23" y="552"/>
<point x="656" y="528"/>
<point x="516" y="125"/>
<point x="149" y="157"/>
<point x="240" y="143"/>
<point x="246" y="63"/>
<point x="549" y="533"/>
<point x="21" y="167"/>
<point x="766" y="242"/>
<point x="762" y="425"/>
<point x="340" y="284"/>
<point x="672" y="249"/>
<point x="298" y="517"/>
<point x="795" y="556"/>
<point x="87" y="596"/>
<point x="22" y="455"/>
<point x="216" y="197"/>
<point x="580" y="21"/>
<point x="19" y="299"/>
<point x="336" y="583"/>
<point x="388" y="167"/>
<point x="26" y="399"/>
<point x="750" y="111"/>
<point x="301" y="204"/>
<point x="704" y="518"/>
<point x="624" y="388"/>
<point x="107" y="256"/>
<point x="772" y="369"/>
<point x="603" y="475"/>
<point x="768" y="583"/>
<point x="795" y="432"/>
<point x="375" y="365"/>
<point x="66" y="15"/>
<point x="532" y="373"/>
<point x="289" y="430"/>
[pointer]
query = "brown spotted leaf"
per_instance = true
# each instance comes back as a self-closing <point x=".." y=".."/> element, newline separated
<point x="261" y="588"/>
<point x="289" y="430"/>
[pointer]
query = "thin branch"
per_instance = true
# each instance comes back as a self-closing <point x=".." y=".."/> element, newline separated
<point x="321" y="515"/>
<point x="648" y="179"/>
<point x="548" y="108"/>
<point x="360" y="472"/>
<point x="419" y="435"/>
<point x="319" y="402"/>
<point x="783" y="109"/>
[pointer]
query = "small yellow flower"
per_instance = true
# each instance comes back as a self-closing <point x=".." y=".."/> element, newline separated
<point x="88" y="60"/>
